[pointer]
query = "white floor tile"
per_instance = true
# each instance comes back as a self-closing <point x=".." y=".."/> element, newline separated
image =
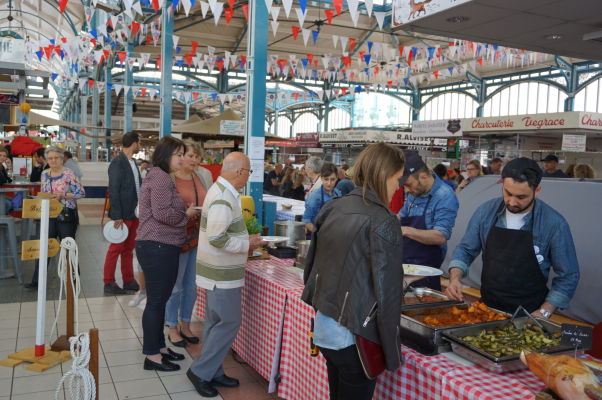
<point x="114" y="334"/>
<point x="108" y="315"/>
<point x="177" y="383"/>
<point x="37" y="383"/>
<point x="124" y="373"/>
<point x="192" y="396"/>
<point x="160" y="397"/>
<point x="112" y="324"/>
<point x="125" y="358"/>
<point x="8" y="344"/>
<point x="8" y="333"/>
<point x="140" y="388"/>
<point x="5" y="386"/>
<point x="107" y="392"/>
<point x="47" y="395"/>
<point x="112" y="346"/>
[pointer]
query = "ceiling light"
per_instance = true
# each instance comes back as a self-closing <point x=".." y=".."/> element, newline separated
<point x="554" y="36"/>
<point x="457" y="19"/>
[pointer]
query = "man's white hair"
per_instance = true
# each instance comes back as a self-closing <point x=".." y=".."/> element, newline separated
<point x="314" y="164"/>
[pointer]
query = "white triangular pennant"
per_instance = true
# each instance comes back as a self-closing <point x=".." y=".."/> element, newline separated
<point x="187" y="5"/>
<point x="136" y="7"/>
<point x="306" y="33"/>
<point x="117" y="89"/>
<point x="176" y="39"/>
<point x="380" y="18"/>
<point x="275" y="11"/>
<point x="204" y="8"/>
<point x="268" y="4"/>
<point x="301" y="15"/>
<point x="344" y="40"/>
<point x="335" y="40"/>
<point x="274" y="27"/>
<point x="353" y="11"/>
<point x="368" y="4"/>
<point x="287" y="6"/>
<point x="217" y="11"/>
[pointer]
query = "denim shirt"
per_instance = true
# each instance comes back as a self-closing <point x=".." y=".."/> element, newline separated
<point x="552" y="242"/>
<point x="315" y="201"/>
<point x="441" y="212"/>
<point x="329" y="334"/>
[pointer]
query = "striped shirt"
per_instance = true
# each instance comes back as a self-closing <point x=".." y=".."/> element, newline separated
<point x="223" y="239"/>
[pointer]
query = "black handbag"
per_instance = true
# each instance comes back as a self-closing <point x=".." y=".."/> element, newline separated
<point x="66" y="215"/>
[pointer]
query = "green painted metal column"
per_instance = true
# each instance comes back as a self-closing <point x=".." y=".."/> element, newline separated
<point x="167" y="22"/>
<point x="257" y="53"/>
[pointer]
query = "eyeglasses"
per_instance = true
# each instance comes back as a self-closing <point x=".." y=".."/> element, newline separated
<point x="247" y="169"/>
<point x="53" y="158"/>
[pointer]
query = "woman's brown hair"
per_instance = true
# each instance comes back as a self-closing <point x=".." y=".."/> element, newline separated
<point x="477" y="165"/>
<point x="375" y="164"/>
<point x="584" y="171"/>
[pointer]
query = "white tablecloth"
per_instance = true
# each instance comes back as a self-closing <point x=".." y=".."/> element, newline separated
<point x="283" y="214"/>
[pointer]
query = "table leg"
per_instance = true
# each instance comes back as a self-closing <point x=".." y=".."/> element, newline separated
<point x="4" y="272"/>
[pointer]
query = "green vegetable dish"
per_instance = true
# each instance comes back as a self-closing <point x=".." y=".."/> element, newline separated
<point x="508" y="341"/>
<point x="253" y="226"/>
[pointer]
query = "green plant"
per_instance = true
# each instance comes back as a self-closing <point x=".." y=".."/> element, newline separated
<point x="253" y="226"/>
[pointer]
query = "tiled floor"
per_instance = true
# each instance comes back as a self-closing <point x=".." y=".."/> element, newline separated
<point x="121" y="372"/>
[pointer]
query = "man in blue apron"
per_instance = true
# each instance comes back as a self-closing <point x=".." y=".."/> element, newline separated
<point x="427" y="217"/>
<point x="521" y="238"/>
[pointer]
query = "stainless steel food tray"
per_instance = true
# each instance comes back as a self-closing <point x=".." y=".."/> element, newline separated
<point x="428" y="339"/>
<point x="421" y="291"/>
<point x="498" y="364"/>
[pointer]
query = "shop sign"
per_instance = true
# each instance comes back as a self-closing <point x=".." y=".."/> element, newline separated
<point x="511" y="123"/>
<point x="9" y="99"/>
<point x="573" y="142"/>
<point x="12" y="50"/>
<point x="308" y="140"/>
<point x="230" y="127"/>
<point x="405" y="11"/>
<point x="372" y="136"/>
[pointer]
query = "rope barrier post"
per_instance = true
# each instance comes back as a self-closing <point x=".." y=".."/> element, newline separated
<point x="93" y="365"/>
<point x="70" y="300"/>
<point x="40" y="347"/>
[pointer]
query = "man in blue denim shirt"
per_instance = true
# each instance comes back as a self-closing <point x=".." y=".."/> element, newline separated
<point x="522" y="239"/>
<point x="427" y="217"/>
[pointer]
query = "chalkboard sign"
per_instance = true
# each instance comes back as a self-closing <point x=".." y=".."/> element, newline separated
<point x="576" y="336"/>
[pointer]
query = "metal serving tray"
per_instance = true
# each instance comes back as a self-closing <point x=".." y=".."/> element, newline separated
<point x="416" y="293"/>
<point x="499" y="364"/>
<point x="428" y="339"/>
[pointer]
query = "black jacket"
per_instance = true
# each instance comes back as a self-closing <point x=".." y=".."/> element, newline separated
<point x="122" y="189"/>
<point x="354" y="265"/>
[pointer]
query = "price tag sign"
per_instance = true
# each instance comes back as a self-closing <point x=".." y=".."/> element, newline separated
<point x="576" y="336"/>
<point x="32" y="208"/>
<point x="30" y="249"/>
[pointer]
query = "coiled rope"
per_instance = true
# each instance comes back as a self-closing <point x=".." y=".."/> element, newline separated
<point x="79" y="382"/>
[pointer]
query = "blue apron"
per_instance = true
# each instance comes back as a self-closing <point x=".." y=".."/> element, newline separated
<point x="418" y="253"/>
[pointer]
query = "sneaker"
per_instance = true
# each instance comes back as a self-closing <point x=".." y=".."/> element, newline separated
<point x="113" y="288"/>
<point x="135" y="302"/>
<point x="133" y="286"/>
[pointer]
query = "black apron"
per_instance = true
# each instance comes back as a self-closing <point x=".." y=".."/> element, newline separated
<point x="511" y="274"/>
<point x="418" y="253"/>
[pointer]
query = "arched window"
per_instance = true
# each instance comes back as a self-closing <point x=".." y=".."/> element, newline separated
<point x="338" y="119"/>
<point x="525" y="98"/>
<point x="448" y="105"/>
<point x="284" y="127"/>
<point x="307" y="122"/>
<point x="379" y="110"/>
<point x="589" y="98"/>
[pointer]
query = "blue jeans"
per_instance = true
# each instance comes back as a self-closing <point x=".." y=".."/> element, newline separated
<point x="183" y="296"/>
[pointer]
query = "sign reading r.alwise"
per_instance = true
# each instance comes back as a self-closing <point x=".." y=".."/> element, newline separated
<point x="511" y="123"/>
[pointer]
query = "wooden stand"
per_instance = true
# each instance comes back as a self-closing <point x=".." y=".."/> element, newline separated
<point x="93" y="365"/>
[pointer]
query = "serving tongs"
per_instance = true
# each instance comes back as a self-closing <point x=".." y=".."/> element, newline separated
<point x="520" y="309"/>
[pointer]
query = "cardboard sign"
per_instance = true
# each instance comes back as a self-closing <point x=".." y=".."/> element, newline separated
<point x="576" y="336"/>
<point x="30" y="249"/>
<point x="32" y="208"/>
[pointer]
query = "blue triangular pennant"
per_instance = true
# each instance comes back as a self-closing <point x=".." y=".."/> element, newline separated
<point x="303" y="5"/>
<point x="39" y="54"/>
<point x="53" y="76"/>
<point x="304" y="61"/>
<point x="178" y="50"/>
<point x="94" y="33"/>
<point x="213" y="96"/>
<point x="370" y="46"/>
<point x="367" y="58"/>
<point x="314" y="35"/>
<point x="431" y="51"/>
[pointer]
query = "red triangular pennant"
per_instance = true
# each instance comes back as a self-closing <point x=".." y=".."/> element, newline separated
<point x="338" y="5"/>
<point x="231" y="3"/>
<point x="62" y="5"/>
<point x="329" y="15"/>
<point x="90" y="83"/>
<point x="351" y="44"/>
<point x="121" y="55"/>
<point x="245" y="11"/>
<point x="296" y="30"/>
<point x="135" y="28"/>
<point x="228" y="13"/>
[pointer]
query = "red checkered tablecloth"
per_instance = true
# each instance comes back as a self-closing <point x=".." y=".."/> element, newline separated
<point x="263" y="303"/>
<point x="421" y="377"/>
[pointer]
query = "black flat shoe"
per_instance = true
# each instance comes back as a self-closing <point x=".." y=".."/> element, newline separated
<point x="225" y="381"/>
<point x="179" y="343"/>
<point x="202" y="387"/>
<point x="33" y="285"/>
<point x="190" y="339"/>
<point x="164" y="366"/>
<point x="172" y="355"/>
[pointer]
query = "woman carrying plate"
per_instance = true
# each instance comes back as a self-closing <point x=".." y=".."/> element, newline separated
<point x="191" y="187"/>
<point x="64" y="187"/>
<point x="354" y="277"/>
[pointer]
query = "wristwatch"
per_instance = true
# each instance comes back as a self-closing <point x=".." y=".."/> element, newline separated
<point x="545" y="313"/>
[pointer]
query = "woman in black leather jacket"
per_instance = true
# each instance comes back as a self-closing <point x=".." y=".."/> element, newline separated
<point x="354" y="273"/>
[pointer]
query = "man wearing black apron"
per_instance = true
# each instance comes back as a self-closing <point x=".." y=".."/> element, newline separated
<point x="427" y="218"/>
<point x="521" y="239"/>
